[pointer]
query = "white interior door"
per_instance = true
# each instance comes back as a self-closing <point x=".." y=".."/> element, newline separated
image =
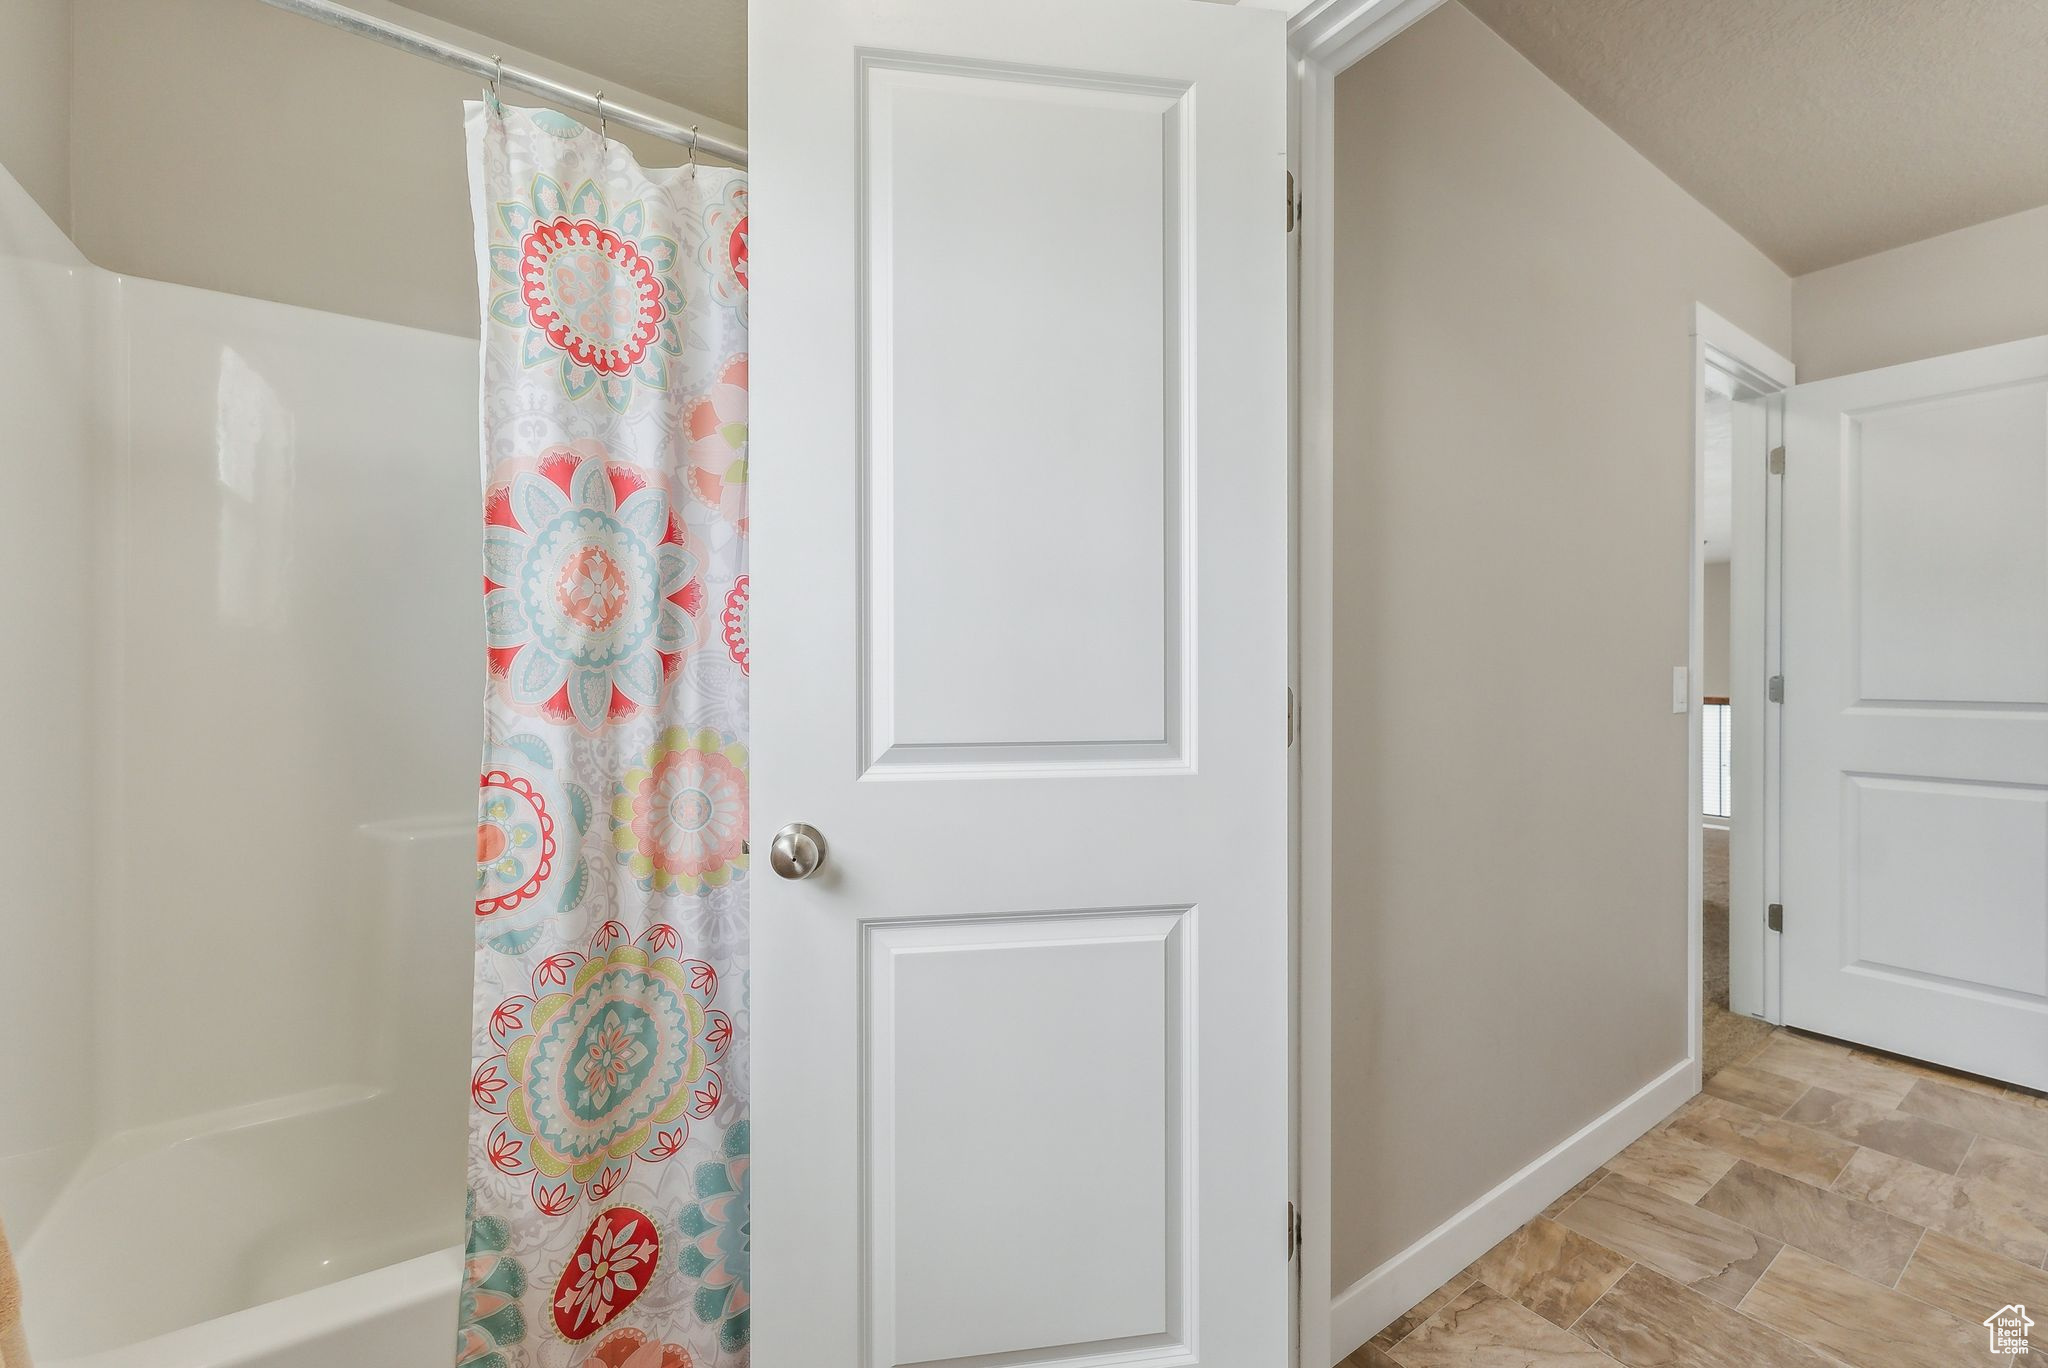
<point x="1915" y="723"/>
<point x="1019" y="608"/>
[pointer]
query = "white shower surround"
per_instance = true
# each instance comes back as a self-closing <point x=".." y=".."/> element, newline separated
<point x="243" y="540"/>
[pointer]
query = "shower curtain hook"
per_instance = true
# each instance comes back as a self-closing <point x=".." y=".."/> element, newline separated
<point x="693" y="144"/>
<point x="600" y="116"/>
<point x="497" y="73"/>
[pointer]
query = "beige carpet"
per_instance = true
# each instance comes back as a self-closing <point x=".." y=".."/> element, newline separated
<point x="1724" y="1037"/>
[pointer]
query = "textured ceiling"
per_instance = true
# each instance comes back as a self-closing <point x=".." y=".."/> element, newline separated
<point x="691" y="53"/>
<point x="1821" y="130"/>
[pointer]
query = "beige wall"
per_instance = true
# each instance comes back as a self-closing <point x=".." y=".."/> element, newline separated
<point x="1513" y="504"/>
<point x="1714" y="611"/>
<point x="35" y="101"/>
<point x="232" y="146"/>
<point x="1969" y="288"/>
<point x="229" y="145"/>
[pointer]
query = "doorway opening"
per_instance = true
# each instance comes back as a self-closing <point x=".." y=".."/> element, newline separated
<point x="1732" y="659"/>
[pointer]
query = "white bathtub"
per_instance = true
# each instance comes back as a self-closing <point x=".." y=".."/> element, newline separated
<point x="397" y="1317"/>
<point x="321" y="1229"/>
<point x="310" y="1233"/>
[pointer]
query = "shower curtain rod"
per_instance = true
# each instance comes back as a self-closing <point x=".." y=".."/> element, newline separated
<point x="490" y="69"/>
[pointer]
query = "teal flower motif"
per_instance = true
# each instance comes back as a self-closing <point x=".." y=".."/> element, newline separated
<point x="492" y="1283"/>
<point x="718" y="1241"/>
<point x="592" y="591"/>
<point x="593" y="290"/>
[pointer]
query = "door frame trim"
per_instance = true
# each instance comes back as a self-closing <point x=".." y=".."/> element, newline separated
<point x="1325" y="37"/>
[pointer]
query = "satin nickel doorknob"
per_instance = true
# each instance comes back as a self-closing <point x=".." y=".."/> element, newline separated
<point x="797" y="851"/>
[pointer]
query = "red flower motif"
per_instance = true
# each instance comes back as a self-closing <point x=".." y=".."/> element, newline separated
<point x="506" y="1154"/>
<point x="613" y="1264"/>
<point x="508" y="1016"/>
<point x="733" y="622"/>
<point x="487" y="1083"/>
<point x="606" y="1182"/>
<point x="591" y="293"/>
<point x="631" y="1348"/>
<point x="736" y="250"/>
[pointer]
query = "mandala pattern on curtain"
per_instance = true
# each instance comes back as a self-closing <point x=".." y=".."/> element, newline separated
<point x="608" y="1140"/>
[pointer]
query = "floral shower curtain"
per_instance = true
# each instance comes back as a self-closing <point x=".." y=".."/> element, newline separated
<point x="608" y="1141"/>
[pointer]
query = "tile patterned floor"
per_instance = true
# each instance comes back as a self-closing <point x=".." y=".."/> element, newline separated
<point x="1816" y="1206"/>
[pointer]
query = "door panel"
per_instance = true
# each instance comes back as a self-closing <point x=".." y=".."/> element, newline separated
<point x="1915" y="845"/>
<point x="973" y="1125"/>
<point x="1049" y="204"/>
<point x="1018" y="642"/>
<point x="1915" y="856"/>
<point x="1951" y="559"/>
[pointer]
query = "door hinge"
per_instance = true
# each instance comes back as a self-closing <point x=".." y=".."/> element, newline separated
<point x="1293" y="204"/>
<point x="1293" y="1232"/>
<point x="1290" y="715"/>
<point x="1774" y="916"/>
<point x="1777" y="460"/>
<point x="1777" y="689"/>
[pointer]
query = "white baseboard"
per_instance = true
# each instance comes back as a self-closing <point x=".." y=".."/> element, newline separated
<point x="1361" y="1310"/>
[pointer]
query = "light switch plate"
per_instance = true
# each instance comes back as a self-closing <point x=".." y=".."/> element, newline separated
<point x="1681" y="694"/>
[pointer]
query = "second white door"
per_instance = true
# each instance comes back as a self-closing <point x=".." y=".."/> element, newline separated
<point x="1915" y="723"/>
